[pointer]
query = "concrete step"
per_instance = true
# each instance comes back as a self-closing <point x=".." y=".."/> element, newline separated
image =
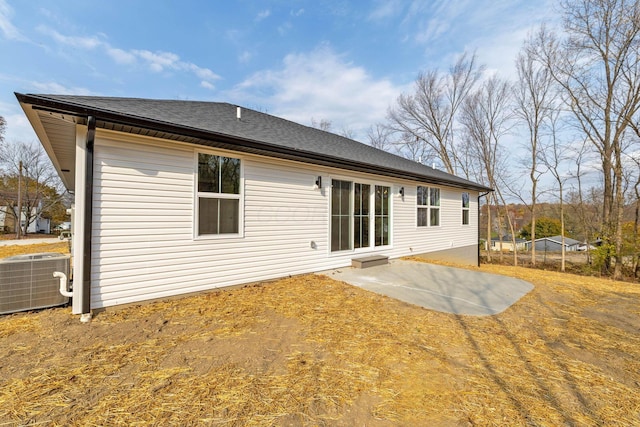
<point x="369" y="261"/>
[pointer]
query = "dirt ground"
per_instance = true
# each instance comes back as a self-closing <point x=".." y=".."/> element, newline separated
<point x="309" y="350"/>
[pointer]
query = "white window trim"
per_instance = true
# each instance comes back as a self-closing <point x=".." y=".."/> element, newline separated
<point x="197" y="195"/>
<point x="466" y="209"/>
<point x="372" y="183"/>
<point x="428" y="208"/>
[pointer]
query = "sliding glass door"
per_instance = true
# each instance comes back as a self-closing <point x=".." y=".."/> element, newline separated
<point x="360" y="215"/>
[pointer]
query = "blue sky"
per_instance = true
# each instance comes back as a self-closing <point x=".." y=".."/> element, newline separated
<point x="341" y="61"/>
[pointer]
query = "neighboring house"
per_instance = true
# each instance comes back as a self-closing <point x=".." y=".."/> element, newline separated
<point x="554" y="244"/>
<point x="63" y="226"/>
<point x="583" y="247"/>
<point x="507" y="244"/>
<point x="4" y="223"/>
<point x="173" y="197"/>
<point x="37" y="225"/>
<point x="40" y="225"/>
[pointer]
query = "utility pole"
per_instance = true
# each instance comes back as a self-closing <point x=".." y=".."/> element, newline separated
<point x="19" y="227"/>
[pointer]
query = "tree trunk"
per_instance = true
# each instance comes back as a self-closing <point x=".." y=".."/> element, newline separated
<point x="618" y="219"/>
<point x="19" y="216"/>
<point x="533" y="237"/>
<point x="636" y="239"/>
<point x="489" y="228"/>
<point x="562" y="259"/>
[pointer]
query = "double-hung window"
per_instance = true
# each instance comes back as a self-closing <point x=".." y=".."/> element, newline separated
<point x="218" y="195"/>
<point x="428" y="206"/>
<point x="465" y="208"/>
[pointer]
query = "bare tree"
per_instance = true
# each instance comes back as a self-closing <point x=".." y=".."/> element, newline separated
<point x="554" y="155"/>
<point x="598" y="67"/>
<point x="586" y="206"/>
<point x="534" y="100"/>
<point x="347" y="132"/>
<point x="429" y="114"/>
<point x="29" y="184"/>
<point x="486" y="119"/>
<point x="412" y="148"/>
<point x="636" y="221"/>
<point x="635" y="160"/>
<point x="379" y="137"/>
<point x="323" y="124"/>
<point x="3" y="128"/>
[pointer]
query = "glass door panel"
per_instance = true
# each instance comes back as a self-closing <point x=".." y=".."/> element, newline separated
<point x="382" y="204"/>
<point x="361" y="202"/>
<point x="340" y="215"/>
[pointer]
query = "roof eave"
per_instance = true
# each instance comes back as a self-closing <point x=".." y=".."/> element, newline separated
<point x="40" y="102"/>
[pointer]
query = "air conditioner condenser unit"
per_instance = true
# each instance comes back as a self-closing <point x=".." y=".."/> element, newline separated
<point x="27" y="281"/>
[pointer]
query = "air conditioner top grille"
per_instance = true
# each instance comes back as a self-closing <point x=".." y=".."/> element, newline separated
<point x="27" y="257"/>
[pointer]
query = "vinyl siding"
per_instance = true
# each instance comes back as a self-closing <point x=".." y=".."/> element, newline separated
<point x="143" y="244"/>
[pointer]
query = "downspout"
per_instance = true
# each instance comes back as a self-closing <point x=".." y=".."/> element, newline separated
<point x="88" y="208"/>
<point x="488" y="237"/>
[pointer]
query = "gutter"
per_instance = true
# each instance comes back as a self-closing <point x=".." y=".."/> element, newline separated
<point x="488" y="237"/>
<point x="88" y="213"/>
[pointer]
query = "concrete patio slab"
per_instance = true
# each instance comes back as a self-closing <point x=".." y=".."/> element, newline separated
<point x="437" y="287"/>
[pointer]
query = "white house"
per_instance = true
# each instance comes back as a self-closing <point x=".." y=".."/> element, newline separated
<point x="506" y="244"/>
<point x="38" y="224"/>
<point x="4" y="225"/>
<point x="173" y="197"/>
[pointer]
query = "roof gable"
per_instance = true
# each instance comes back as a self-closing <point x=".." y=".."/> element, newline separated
<point x="216" y="124"/>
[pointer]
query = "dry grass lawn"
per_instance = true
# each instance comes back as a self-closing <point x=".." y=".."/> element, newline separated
<point x="309" y="350"/>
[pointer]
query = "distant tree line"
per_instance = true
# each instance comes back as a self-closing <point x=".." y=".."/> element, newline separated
<point x="573" y="109"/>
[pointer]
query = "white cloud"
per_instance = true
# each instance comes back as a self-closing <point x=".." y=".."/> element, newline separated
<point x="8" y="29"/>
<point x="297" y="12"/>
<point x="233" y="35"/>
<point x="433" y="29"/>
<point x="59" y="89"/>
<point x="121" y="56"/>
<point x="158" y="61"/>
<point x="18" y="128"/>
<point x="244" y="57"/>
<point x="263" y="15"/>
<point x="205" y="84"/>
<point x="495" y="30"/>
<point x="203" y="73"/>
<point x="73" y="41"/>
<point x="444" y="15"/>
<point x="320" y="85"/>
<point x="385" y="9"/>
<point x="284" y="28"/>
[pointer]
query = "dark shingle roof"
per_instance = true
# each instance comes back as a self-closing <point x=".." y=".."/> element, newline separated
<point x="210" y="122"/>
<point x="558" y="239"/>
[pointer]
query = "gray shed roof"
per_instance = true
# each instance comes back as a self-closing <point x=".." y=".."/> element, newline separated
<point x="214" y="124"/>
<point x="558" y="239"/>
